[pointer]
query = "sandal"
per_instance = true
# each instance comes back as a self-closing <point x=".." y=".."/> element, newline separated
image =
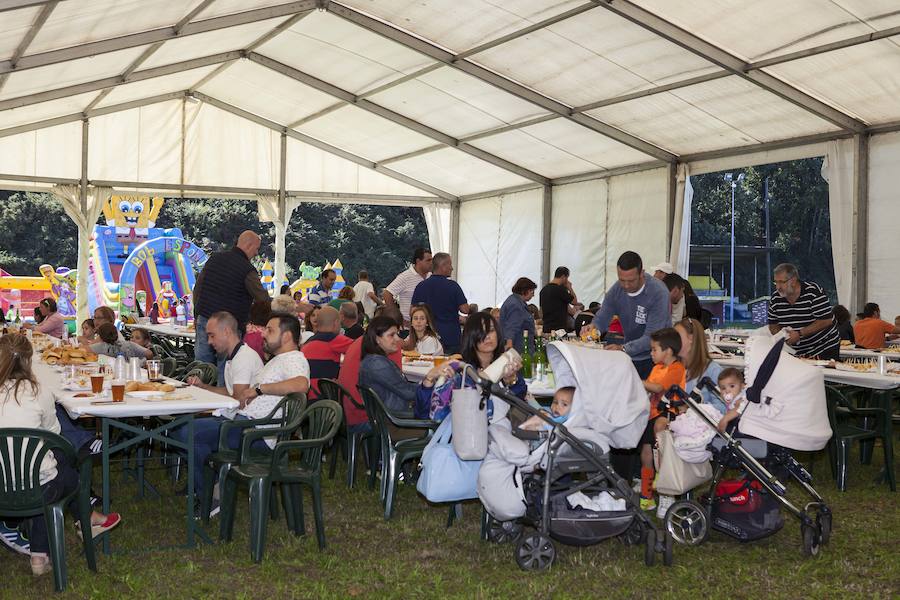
<point x="111" y="521"/>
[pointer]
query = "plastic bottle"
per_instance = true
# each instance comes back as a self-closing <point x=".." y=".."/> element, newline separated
<point x="526" y="357"/>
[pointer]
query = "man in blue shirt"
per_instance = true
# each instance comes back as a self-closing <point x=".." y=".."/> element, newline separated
<point x="445" y="299"/>
<point x="321" y="294"/>
<point x="641" y="302"/>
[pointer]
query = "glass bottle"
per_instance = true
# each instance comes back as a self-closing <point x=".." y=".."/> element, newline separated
<point x="526" y="357"/>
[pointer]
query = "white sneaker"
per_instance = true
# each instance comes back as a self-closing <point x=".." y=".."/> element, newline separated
<point x="662" y="506"/>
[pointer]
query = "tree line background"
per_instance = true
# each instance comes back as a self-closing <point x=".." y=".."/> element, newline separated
<point x="381" y="239"/>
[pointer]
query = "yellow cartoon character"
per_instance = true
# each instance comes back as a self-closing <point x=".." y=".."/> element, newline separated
<point x="132" y="217"/>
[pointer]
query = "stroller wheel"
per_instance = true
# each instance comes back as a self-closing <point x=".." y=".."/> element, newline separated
<point x="504" y="532"/>
<point x="823" y="520"/>
<point x="535" y="552"/>
<point x="668" y="559"/>
<point x="812" y="539"/>
<point x="650" y="547"/>
<point x="687" y="522"/>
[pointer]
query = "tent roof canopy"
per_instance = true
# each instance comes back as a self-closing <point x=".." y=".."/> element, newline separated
<point x="455" y="99"/>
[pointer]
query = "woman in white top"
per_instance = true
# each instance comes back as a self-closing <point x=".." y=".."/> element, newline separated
<point x="423" y="337"/>
<point x="23" y="403"/>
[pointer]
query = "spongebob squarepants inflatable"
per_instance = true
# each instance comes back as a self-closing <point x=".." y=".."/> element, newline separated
<point x="133" y="217"/>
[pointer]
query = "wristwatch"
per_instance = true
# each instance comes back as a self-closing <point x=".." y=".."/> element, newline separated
<point x="258" y="391"/>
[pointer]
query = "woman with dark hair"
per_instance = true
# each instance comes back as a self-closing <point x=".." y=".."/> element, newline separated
<point x="515" y="318"/>
<point x="260" y="313"/>
<point x="692" y="308"/>
<point x="423" y="337"/>
<point x="52" y="323"/>
<point x="381" y="374"/>
<point x="24" y="403"/>
<point x="842" y="320"/>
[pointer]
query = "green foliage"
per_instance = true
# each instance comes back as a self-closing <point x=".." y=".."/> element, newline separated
<point x="380" y="239"/>
<point x="800" y="230"/>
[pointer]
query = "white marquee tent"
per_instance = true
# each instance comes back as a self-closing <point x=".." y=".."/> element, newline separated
<point x="532" y="132"/>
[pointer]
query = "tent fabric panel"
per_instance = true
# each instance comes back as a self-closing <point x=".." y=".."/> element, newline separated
<point x="266" y="93"/>
<point x="456" y="172"/>
<point x="35" y="113"/>
<point x="882" y="275"/>
<point x="455" y="103"/>
<point x="590" y="57"/>
<point x="40" y="79"/>
<point x="724" y="113"/>
<point x="340" y="53"/>
<point x="862" y="80"/>
<point x="532" y="153"/>
<point x="500" y="241"/>
<point x="636" y="219"/>
<point x="221" y="8"/>
<point x="13" y="27"/>
<point x="223" y="149"/>
<point x="586" y="144"/>
<point x="578" y="236"/>
<point x="51" y="152"/>
<point x="154" y="87"/>
<point x="311" y="169"/>
<point x="756" y="30"/>
<point x="463" y="24"/>
<point x="141" y="144"/>
<point x="212" y="42"/>
<point x="365" y="134"/>
<point x="72" y="22"/>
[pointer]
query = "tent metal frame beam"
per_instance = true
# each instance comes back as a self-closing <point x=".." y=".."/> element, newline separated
<point x="115" y="80"/>
<point x="97" y="112"/>
<point x="152" y="36"/>
<point x="29" y="37"/>
<point x="349" y="98"/>
<point x="6" y="5"/>
<point x="364" y="162"/>
<point x="860" y="234"/>
<point x="700" y="47"/>
<point x="422" y="46"/>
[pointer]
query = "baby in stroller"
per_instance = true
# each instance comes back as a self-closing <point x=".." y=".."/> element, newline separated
<point x="559" y="411"/>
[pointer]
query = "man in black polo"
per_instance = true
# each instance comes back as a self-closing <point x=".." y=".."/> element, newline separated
<point x="230" y="283"/>
<point x="558" y="302"/>
<point x="803" y="310"/>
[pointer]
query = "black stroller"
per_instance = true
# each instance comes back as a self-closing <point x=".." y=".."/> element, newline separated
<point x="569" y="465"/>
<point x="747" y="508"/>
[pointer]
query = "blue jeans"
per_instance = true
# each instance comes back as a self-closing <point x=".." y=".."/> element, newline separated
<point x="77" y="436"/>
<point x="204" y="352"/>
<point x="206" y="441"/>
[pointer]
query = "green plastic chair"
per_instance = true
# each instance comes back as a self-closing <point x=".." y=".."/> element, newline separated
<point x="21" y="495"/>
<point x="346" y="442"/>
<point x="321" y="420"/>
<point x="285" y="415"/>
<point x="394" y="453"/>
<point x="207" y="372"/>
<point x="845" y="420"/>
<point x="169" y="365"/>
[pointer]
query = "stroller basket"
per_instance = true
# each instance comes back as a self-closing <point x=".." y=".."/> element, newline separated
<point x="583" y="527"/>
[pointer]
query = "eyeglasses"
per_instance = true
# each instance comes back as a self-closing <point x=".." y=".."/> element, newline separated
<point x="782" y="281"/>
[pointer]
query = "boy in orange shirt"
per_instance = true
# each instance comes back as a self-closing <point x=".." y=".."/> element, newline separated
<point x="870" y="330"/>
<point x="665" y="345"/>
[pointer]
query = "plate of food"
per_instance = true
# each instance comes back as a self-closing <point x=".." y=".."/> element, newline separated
<point x="148" y="387"/>
<point x="859" y="366"/>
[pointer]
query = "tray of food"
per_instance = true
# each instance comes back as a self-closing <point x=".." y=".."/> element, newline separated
<point x="68" y="355"/>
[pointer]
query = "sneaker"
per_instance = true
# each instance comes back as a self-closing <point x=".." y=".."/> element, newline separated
<point x="14" y="538"/>
<point x="663" y="506"/>
<point x="112" y="520"/>
<point x="647" y="503"/>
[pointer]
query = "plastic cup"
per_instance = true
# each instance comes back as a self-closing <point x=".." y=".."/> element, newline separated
<point x="96" y="382"/>
<point x="118" y="391"/>
<point x="439" y="360"/>
<point x="154" y="369"/>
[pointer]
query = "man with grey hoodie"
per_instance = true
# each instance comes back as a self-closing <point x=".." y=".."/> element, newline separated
<point x="642" y="304"/>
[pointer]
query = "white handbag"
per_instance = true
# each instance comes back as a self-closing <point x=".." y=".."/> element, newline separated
<point x="675" y="476"/>
<point x="468" y="414"/>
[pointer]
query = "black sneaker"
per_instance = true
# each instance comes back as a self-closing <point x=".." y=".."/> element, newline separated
<point x="91" y="448"/>
<point x="14" y="539"/>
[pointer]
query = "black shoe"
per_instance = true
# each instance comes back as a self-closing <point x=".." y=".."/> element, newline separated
<point x="90" y="448"/>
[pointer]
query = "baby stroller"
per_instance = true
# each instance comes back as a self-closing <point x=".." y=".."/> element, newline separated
<point x="785" y="411"/>
<point x="521" y="486"/>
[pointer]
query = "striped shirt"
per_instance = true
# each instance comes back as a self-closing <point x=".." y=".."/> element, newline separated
<point x="319" y="296"/>
<point x="812" y="305"/>
<point x="402" y="288"/>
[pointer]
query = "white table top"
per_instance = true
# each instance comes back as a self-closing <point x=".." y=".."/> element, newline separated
<point x="874" y="381"/>
<point x="416" y="371"/>
<point x="185" y="400"/>
<point x="169" y="329"/>
<point x="845" y="352"/>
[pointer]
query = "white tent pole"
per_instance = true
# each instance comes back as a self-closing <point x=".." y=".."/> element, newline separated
<point x="546" y="222"/>
<point x="281" y="222"/>
<point x="861" y="225"/>
<point x="671" y="220"/>
<point x="84" y="233"/>
<point x="454" y="231"/>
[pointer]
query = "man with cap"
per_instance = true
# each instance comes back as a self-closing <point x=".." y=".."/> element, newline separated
<point x="661" y="271"/>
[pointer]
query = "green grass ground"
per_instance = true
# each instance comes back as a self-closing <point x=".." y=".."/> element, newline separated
<point x="415" y="556"/>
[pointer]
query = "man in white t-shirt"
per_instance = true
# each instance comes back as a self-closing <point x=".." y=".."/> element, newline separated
<point x="400" y="290"/>
<point x="242" y="363"/>
<point x="364" y="292"/>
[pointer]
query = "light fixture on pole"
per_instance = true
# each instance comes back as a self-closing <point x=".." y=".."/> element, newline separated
<point x="731" y="179"/>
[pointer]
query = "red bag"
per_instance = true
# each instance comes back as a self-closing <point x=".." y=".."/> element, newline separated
<point x="739" y="495"/>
